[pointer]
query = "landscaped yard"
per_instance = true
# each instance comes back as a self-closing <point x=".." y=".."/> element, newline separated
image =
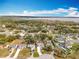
<point x="35" y="54"/>
<point x="4" y="52"/>
<point x="71" y="56"/>
<point x="24" y="53"/>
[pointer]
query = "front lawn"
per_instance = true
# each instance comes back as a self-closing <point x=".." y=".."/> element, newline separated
<point x="4" y="52"/>
<point x="24" y="53"/>
<point x="35" y="54"/>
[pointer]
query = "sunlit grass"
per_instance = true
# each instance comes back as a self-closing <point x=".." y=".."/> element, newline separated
<point x="24" y="53"/>
<point x="4" y="52"/>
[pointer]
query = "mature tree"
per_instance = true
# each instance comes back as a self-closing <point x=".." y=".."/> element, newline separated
<point x="3" y="41"/>
<point x="10" y="38"/>
<point x="29" y="39"/>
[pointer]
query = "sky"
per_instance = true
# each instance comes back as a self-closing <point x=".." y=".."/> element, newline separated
<point x="40" y="7"/>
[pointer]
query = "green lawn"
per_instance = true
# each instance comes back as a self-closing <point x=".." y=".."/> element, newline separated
<point x="35" y="54"/>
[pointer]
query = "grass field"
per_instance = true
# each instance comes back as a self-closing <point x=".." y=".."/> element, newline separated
<point x="71" y="56"/>
<point x="24" y="53"/>
<point x="4" y="52"/>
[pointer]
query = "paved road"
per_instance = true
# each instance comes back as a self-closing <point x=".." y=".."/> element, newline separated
<point x="45" y="56"/>
<point x="6" y="58"/>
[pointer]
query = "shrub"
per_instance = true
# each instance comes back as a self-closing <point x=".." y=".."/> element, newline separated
<point x="35" y="54"/>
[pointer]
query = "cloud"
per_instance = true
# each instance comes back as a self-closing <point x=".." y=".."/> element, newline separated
<point x="73" y="12"/>
<point x="70" y="12"/>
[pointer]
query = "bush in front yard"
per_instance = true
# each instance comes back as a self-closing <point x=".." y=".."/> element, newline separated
<point x="35" y="54"/>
